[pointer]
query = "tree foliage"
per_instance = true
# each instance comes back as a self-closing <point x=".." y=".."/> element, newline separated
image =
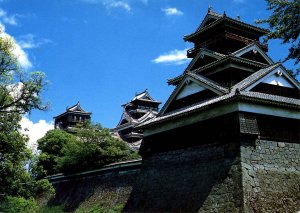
<point x="95" y="148"/>
<point x="19" y="93"/>
<point x="13" y="156"/>
<point x="90" y="147"/>
<point x="285" y="25"/>
<point x="51" y="146"/>
<point x="19" y="90"/>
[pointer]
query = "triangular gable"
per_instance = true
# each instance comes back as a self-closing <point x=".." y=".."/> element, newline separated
<point x="75" y="108"/>
<point x="189" y="89"/>
<point x="190" y="85"/>
<point x="209" y="18"/>
<point x="277" y="76"/>
<point x="279" y="80"/>
<point x="125" y="119"/>
<point x="149" y="115"/>
<point x="255" y="49"/>
<point x="143" y="96"/>
<point x="201" y="55"/>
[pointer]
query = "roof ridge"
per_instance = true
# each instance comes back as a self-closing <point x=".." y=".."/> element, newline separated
<point x="211" y="12"/>
<point x="208" y="81"/>
<point x="254" y="77"/>
<point x="226" y="57"/>
<point x="224" y="18"/>
<point x="243" y="48"/>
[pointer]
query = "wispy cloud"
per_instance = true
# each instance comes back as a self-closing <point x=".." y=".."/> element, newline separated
<point x="176" y="57"/>
<point x="18" y="51"/>
<point x="117" y="4"/>
<point x="109" y="4"/>
<point x="29" y="41"/>
<point x="172" y="11"/>
<point x="35" y="131"/>
<point x="6" y="19"/>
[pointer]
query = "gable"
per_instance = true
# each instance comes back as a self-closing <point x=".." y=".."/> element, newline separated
<point x="203" y="58"/>
<point x="277" y="82"/>
<point x="189" y="89"/>
<point x="209" y="18"/>
<point x="253" y="52"/>
<point x="189" y="92"/>
<point x="276" y="77"/>
<point x="123" y="119"/>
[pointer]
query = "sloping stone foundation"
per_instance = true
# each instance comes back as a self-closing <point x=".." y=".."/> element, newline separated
<point x="271" y="176"/>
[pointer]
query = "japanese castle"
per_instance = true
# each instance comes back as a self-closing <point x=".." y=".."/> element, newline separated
<point x="137" y="111"/>
<point x="230" y="89"/>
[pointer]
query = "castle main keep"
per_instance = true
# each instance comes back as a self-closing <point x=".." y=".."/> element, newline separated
<point x="227" y="139"/>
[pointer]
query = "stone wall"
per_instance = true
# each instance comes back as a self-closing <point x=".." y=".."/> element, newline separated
<point x="241" y="176"/>
<point x="109" y="187"/>
<point x="271" y="176"/>
<point x="205" y="178"/>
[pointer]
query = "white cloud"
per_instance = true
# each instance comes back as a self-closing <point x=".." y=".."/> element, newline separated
<point x="173" y="57"/>
<point x="8" y="19"/>
<point x="21" y="55"/>
<point x="172" y="11"/>
<point x="117" y="4"/>
<point x="108" y="4"/>
<point x="35" y="131"/>
<point x="29" y="41"/>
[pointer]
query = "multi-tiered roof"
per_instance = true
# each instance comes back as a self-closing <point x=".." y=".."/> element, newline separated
<point x="140" y="109"/>
<point x="71" y="117"/>
<point x="229" y="72"/>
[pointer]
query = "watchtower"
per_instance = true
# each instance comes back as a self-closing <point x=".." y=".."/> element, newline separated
<point x="71" y="117"/>
<point x="140" y="109"/>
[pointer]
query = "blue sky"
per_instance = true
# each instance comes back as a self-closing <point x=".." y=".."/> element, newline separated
<point x="101" y="52"/>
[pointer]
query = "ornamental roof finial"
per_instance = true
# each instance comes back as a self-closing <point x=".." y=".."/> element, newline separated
<point x="210" y="8"/>
<point x="224" y="14"/>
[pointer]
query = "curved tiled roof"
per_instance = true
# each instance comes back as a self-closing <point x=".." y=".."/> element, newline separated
<point x="250" y="96"/>
<point x="255" y="76"/>
<point x="216" y="63"/>
<point x="208" y="82"/>
<point x="259" y="30"/>
<point x="235" y="92"/>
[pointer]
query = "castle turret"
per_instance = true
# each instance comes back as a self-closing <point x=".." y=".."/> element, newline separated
<point x="140" y="109"/>
<point x="71" y="117"/>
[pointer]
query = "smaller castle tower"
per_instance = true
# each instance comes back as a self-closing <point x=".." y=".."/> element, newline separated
<point x="71" y="117"/>
<point x="140" y="109"/>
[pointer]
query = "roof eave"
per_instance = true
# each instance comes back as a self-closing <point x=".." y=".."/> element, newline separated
<point x="260" y="31"/>
<point x="233" y="97"/>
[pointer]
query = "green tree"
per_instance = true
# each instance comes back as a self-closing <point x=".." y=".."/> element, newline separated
<point x="284" y="24"/>
<point x="19" y="90"/>
<point x="93" y="147"/>
<point x="51" y="148"/>
<point x="13" y="156"/>
<point x="19" y="94"/>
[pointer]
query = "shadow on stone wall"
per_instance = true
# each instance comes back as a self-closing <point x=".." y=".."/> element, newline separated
<point x="204" y="178"/>
<point x="106" y="189"/>
<point x="199" y="179"/>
